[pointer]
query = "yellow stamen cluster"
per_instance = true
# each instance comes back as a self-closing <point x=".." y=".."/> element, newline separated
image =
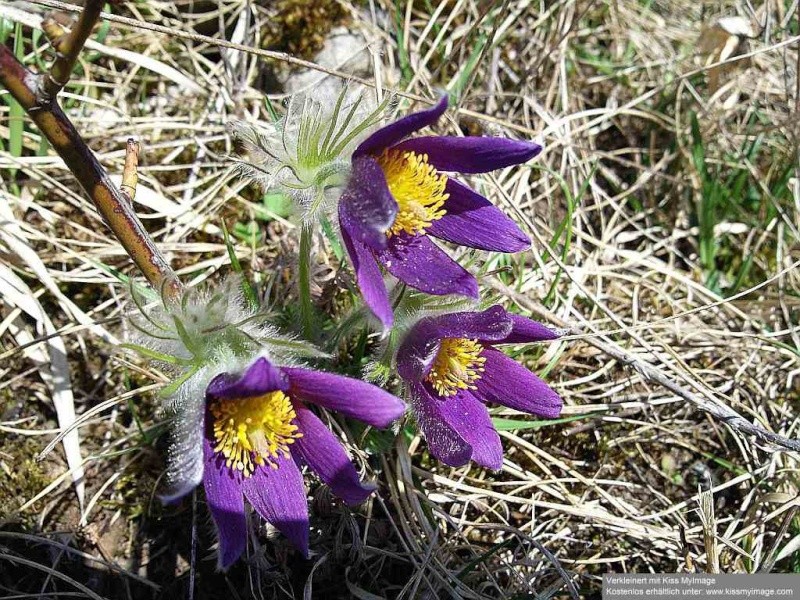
<point x="418" y="189"/>
<point x="457" y="364"/>
<point x="252" y="431"/>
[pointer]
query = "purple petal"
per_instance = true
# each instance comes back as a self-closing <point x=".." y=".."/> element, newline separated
<point x="351" y="397"/>
<point x="506" y="382"/>
<point x="469" y="417"/>
<point x="444" y="441"/>
<point x="367" y="208"/>
<point x="490" y="324"/>
<point x="225" y="500"/>
<point x="320" y="450"/>
<point x="279" y="496"/>
<point x="471" y="220"/>
<point x="394" y="132"/>
<point x="368" y="277"/>
<point x="420" y="343"/>
<point x="458" y="428"/>
<point x="471" y="154"/>
<point x="417" y="261"/>
<point x="258" y="379"/>
<point x="527" y="330"/>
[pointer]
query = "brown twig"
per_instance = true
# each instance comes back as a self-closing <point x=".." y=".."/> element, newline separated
<point x="115" y="208"/>
<point x="52" y="30"/>
<point x="130" y="176"/>
<point x="68" y="47"/>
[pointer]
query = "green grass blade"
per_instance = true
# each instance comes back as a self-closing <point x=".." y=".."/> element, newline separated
<point x="16" y="114"/>
<point x="406" y="72"/>
<point x="517" y="425"/>
<point x="247" y="289"/>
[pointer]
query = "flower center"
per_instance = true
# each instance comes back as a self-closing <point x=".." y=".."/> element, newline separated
<point x="457" y="364"/>
<point x="252" y="431"/>
<point x="418" y="189"/>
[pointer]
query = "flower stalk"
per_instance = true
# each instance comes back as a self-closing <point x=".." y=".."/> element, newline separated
<point x="304" y="282"/>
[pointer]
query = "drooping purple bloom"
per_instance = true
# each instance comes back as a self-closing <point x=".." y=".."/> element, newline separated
<point x="258" y="432"/>
<point x="451" y="368"/>
<point x="397" y="197"/>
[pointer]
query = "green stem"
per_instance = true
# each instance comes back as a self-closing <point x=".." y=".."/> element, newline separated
<point x="304" y="275"/>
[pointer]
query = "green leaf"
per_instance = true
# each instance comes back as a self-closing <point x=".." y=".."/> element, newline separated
<point x="516" y="425"/>
<point x="105" y="27"/>
<point x="736" y="470"/>
<point x="407" y="73"/>
<point x="333" y="239"/>
<point x="460" y="84"/>
<point x="377" y="372"/>
<point x="276" y="204"/>
<point x="186" y="338"/>
<point x="373" y="441"/>
<point x="150" y="333"/>
<point x="146" y="438"/>
<point x="247" y="232"/>
<point x="5" y="29"/>
<point x="298" y="348"/>
<point x="271" y="109"/>
<point x="16" y="114"/>
<point x="698" y="151"/>
<point x="470" y="566"/>
<point x="145" y="291"/>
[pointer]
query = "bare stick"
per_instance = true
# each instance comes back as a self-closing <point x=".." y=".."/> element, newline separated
<point x="53" y="30"/>
<point x="68" y="47"/>
<point x="115" y="208"/>
<point x="717" y="410"/>
<point x="130" y="176"/>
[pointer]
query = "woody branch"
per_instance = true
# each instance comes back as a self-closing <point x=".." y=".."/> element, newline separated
<point x="37" y="93"/>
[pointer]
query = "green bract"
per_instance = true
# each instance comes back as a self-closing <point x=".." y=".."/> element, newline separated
<point x="207" y="328"/>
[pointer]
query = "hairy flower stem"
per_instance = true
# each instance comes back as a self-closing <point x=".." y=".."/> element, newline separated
<point x="304" y="282"/>
<point x="116" y="210"/>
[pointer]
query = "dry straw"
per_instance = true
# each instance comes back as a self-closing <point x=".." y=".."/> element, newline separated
<point x="612" y="88"/>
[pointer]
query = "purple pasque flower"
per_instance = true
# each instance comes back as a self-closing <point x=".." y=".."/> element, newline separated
<point x="451" y="368"/>
<point x="258" y="431"/>
<point x="397" y="197"/>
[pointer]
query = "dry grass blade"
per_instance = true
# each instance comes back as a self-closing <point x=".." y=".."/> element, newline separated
<point x="663" y="215"/>
<point x="134" y="58"/>
<point x="707" y="518"/>
<point x="54" y="370"/>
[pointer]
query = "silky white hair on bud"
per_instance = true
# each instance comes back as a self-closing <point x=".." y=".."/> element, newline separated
<point x="207" y="331"/>
<point x="307" y="153"/>
<point x="199" y="326"/>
